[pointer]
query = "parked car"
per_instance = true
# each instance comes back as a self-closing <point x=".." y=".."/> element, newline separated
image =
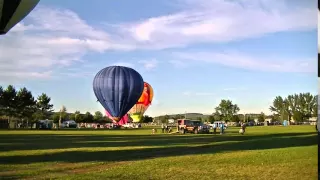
<point x="218" y="123"/>
<point x="192" y="126"/>
<point x="44" y="124"/>
<point x="69" y="124"/>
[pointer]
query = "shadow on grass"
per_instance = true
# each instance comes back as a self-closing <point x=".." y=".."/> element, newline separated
<point x="245" y="143"/>
<point x="63" y="141"/>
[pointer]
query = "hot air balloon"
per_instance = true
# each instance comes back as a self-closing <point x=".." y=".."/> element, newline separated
<point x="122" y="121"/>
<point x="13" y="11"/>
<point x="137" y="111"/>
<point x="117" y="88"/>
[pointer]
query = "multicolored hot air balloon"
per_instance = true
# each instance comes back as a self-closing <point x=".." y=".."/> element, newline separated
<point x="13" y="11"/>
<point x="117" y="88"/>
<point x="137" y="111"/>
<point x="122" y="121"/>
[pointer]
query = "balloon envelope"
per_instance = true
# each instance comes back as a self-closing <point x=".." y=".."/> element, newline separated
<point x="122" y="121"/>
<point x="13" y="11"/>
<point x="137" y="111"/>
<point x="117" y="88"/>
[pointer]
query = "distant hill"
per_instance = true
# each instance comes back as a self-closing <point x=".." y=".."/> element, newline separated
<point x="198" y="115"/>
<point x="187" y="115"/>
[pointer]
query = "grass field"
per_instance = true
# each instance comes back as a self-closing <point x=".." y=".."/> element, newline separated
<point x="262" y="153"/>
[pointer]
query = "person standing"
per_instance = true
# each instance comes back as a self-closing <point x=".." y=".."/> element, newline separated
<point x="162" y="127"/>
<point x="221" y="128"/>
<point x="214" y="128"/>
<point x="243" y="127"/>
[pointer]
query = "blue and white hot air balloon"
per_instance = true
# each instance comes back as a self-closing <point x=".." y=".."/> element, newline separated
<point x="118" y="88"/>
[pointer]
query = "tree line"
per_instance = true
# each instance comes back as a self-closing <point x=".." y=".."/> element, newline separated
<point x="299" y="107"/>
<point x="87" y="117"/>
<point x="22" y="105"/>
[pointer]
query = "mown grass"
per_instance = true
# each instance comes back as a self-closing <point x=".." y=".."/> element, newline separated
<point x="262" y="153"/>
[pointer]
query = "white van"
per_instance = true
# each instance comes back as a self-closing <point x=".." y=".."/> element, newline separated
<point x="217" y="123"/>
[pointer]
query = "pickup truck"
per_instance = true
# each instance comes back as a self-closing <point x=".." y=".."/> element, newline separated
<point x="192" y="126"/>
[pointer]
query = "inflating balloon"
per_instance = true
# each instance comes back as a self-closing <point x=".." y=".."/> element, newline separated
<point x="137" y="111"/>
<point x="13" y="11"/>
<point x="122" y="121"/>
<point x="117" y="88"/>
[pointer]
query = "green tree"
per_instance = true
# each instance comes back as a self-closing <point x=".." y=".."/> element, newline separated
<point x="44" y="106"/>
<point x="315" y="107"/>
<point x="106" y="119"/>
<point x="262" y="117"/>
<point x="72" y="117"/>
<point x="25" y="104"/>
<point x="292" y="101"/>
<point x="275" y="117"/>
<point x="98" y="116"/>
<point x="217" y="116"/>
<point x="88" y="117"/>
<point x="63" y="113"/>
<point x="77" y="116"/>
<point x="299" y="106"/>
<point x="226" y="109"/>
<point x="306" y="103"/>
<point x="211" y="119"/>
<point x="280" y="106"/>
<point x="235" y="118"/>
<point x="298" y="116"/>
<point x="9" y="102"/>
<point x="147" y="119"/>
<point x="55" y="117"/>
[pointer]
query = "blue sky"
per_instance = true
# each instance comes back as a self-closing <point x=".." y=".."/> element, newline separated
<point x="193" y="53"/>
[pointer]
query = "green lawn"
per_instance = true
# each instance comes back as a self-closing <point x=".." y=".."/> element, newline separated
<point x="262" y="153"/>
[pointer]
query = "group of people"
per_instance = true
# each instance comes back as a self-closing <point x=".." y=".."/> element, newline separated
<point x="221" y="127"/>
<point x="165" y="128"/>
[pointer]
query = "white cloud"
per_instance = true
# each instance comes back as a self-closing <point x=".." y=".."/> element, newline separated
<point x="126" y="64"/>
<point x="146" y="64"/>
<point x="47" y="40"/>
<point x="51" y="38"/>
<point x="188" y="93"/>
<point x="220" y="21"/>
<point x="178" y="63"/>
<point x="235" y="89"/>
<point x="239" y="60"/>
<point x="149" y="64"/>
<point x="204" y="94"/>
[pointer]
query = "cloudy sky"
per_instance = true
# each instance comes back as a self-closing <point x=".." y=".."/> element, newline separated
<point x="193" y="52"/>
